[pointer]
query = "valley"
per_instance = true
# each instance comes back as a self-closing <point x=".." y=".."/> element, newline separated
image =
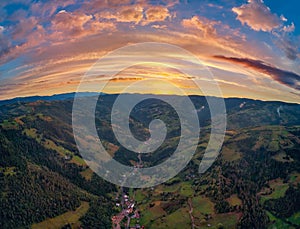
<point x="254" y="183"/>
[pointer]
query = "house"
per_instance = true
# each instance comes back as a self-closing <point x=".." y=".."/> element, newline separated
<point x="68" y="157"/>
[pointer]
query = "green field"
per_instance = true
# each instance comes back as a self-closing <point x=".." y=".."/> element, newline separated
<point x="295" y="178"/>
<point x="202" y="205"/>
<point x="186" y="189"/>
<point x="71" y="217"/>
<point x="78" y="160"/>
<point x="234" y="200"/>
<point x="295" y="219"/>
<point x="6" y="124"/>
<point x="49" y="144"/>
<point x="281" y="157"/>
<point x="87" y="174"/>
<point x="277" y="223"/>
<point x="229" y="153"/>
<point x="8" y="171"/>
<point x="32" y="133"/>
<point x="279" y="189"/>
<point x="152" y="214"/>
<point x="177" y="220"/>
<point x="140" y="196"/>
<point x="169" y="188"/>
<point x="228" y="220"/>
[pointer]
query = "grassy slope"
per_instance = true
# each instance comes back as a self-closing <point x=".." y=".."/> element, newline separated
<point x="71" y="217"/>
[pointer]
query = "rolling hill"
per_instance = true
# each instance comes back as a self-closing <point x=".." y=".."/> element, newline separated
<point x="254" y="183"/>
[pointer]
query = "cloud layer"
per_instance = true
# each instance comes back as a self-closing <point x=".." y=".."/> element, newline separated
<point x="46" y="46"/>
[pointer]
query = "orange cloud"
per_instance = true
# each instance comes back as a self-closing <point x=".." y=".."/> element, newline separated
<point x="216" y="36"/>
<point x="126" y="14"/>
<point x="156" y="14"/>
<point x="70" y="23"/>
<point x="136" y="14"/>
<point x="67" y="25"/>
<point x="205" y="26"/>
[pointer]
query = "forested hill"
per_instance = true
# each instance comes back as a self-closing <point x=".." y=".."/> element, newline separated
<point x="56" y="97"/>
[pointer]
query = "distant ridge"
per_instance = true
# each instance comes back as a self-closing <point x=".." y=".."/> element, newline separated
<point x="71" y="95"/>
<point x="48" y="98"/>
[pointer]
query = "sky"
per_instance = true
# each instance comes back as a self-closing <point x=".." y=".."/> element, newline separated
<point x="252" y="48"/>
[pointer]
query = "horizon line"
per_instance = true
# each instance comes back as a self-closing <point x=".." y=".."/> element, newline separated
<point x="103" y="93"/>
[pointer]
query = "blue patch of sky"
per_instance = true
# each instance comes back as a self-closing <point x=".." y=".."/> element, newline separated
<point x="290" y="9"/>
<point x="13" y="68"/>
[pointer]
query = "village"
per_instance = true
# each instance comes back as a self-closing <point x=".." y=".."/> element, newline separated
<point x="129" y="216"/>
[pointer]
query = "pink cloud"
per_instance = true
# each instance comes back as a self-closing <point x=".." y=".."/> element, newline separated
<point x="289" y="28"/>
<point x="257" y="16"/>
<point x="24" y="27"/>
<point x="159" y="26"/>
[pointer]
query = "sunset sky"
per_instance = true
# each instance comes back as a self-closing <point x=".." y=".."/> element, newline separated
<point x="251" y="47"/>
